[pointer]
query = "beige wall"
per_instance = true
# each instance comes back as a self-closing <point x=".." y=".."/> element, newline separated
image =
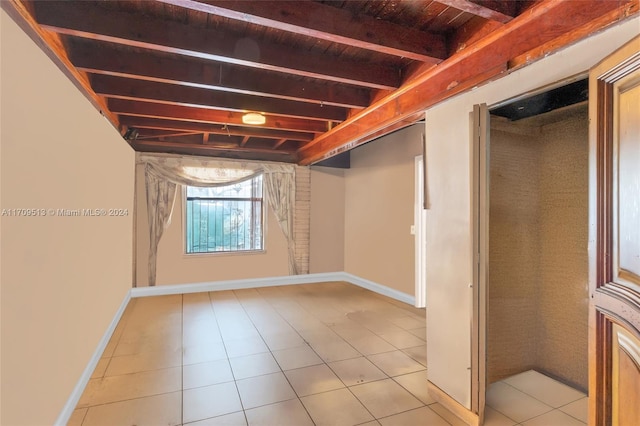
<point x="63" y="278"/>
<point x="327" y="220"/>
<point x="175" y="267"/>
<point x="449" y="225"/>
<point x="379" y="205"/>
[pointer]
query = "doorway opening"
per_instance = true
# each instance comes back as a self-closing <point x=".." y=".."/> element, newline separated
<point x="536" y="249"/>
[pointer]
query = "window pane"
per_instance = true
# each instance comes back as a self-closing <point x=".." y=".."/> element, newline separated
<point x="224" y="219"/>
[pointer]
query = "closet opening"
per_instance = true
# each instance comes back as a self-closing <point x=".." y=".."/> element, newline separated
<point x="537" y="281"/>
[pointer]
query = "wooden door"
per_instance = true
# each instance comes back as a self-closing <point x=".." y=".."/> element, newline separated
<point x="614" y="239"/>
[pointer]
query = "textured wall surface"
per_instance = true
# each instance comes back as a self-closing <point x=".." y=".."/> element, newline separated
<point x="538" y="239"/>
<point x="513" y="254"/>
<point x="562" y="326"/>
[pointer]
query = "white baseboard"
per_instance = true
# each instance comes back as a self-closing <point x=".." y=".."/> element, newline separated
<point x="379" y="288"/>
<point x="163" y="290"/>
<point x="70" y="406"/>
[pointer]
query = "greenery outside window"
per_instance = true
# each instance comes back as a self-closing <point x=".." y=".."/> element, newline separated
<point x="225" y="218"/>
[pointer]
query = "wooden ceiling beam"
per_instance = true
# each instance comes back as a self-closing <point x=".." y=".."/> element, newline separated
<point x="279" y="143"/>
<point x="223" y="151"/>
<point x="329" y="23"/>
<point x="494" y="10"/>
<point x="104" y="58"/>
<point x="155" y="133"/>
<point x="174" y="125"/>
<point x="628" y="9"/>
<point x="484" y="60"/>
<point x="204" y="115"/>
<point x="89" y="20"/>
<point x="126" y="88"/>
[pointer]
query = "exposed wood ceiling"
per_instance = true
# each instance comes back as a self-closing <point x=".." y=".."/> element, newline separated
<point x="178" y="75"/>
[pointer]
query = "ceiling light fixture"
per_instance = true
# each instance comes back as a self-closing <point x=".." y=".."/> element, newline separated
<point x="253" y="118"/>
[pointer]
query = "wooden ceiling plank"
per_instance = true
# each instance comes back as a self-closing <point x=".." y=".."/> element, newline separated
<point x="173" y="125"/>
<point x="499" y="11"/>
<point x="103" y="58"/>
<point x="125" y="88"/>
<point x="87" y="20"/>
<point x="329" y="23"/>
<point x="203" y="115"/>
<point x="543" y="22"/>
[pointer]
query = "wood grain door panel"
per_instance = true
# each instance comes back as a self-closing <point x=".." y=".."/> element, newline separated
<point x="614" y="241"/>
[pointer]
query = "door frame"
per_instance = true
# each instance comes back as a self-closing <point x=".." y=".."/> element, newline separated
<point x="480" y="256"/>
<point x="420" y="234"/>
<point x="480" y="193"/>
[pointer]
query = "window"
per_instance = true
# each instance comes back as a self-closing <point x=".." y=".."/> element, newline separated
<point x="225" y="218"/>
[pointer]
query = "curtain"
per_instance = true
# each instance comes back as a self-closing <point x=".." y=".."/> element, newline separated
<point x="164" y="172"/>
<point x="280" y="186"/>
<point x="161" y="195"/>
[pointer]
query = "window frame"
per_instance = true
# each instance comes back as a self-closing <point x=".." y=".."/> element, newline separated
<point x="263" y="219"/>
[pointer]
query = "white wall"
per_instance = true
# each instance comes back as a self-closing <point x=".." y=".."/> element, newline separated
<point x="63" y="278"/>
<point x="449" y="219"/>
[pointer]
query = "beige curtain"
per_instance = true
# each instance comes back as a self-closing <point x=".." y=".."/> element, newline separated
<point x="161" y="195"/>
<point x="280" y="185"/>
<point x="164" y="172"/>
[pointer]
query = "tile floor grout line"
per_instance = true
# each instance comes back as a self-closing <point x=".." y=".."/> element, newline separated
<point x="347" y="387"/>
<point x="182" y="363"/>
<point x="129" y="399"/>
<point x="235" y="382"/>
<point x="271" y="352"/>
<point x="542" y="402"/>
<point x="324" y="361"/>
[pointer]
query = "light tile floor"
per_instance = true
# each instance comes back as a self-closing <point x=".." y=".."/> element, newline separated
<point x="532" y="399"/>
<point x="315" y="354"/>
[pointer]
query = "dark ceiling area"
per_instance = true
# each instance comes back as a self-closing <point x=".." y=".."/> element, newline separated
<point x="320" y="77"/>
<point x="550" y="100"/>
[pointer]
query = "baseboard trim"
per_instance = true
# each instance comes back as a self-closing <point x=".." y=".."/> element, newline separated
<point x="379" y="288"/>
<point x="164" y="290"/>
<point x="452" y="405"/>
<point x="70" y="406"/>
